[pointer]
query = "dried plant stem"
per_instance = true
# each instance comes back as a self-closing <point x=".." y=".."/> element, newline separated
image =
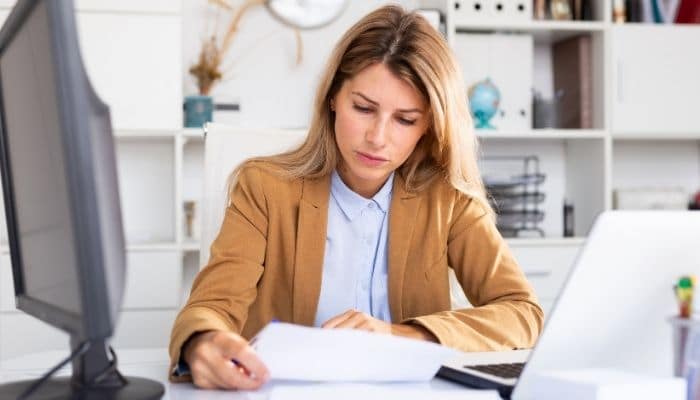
<point x="233" y="27"/>
<point x="207" y="70"/>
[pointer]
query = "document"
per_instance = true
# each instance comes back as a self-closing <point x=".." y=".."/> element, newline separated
<point x="298" y="353"/>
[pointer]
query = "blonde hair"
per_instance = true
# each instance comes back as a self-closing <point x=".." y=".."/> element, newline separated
<point x="416" y="53"/>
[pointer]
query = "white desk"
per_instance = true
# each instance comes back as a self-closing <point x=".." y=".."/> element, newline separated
<point x="153" y="363"/>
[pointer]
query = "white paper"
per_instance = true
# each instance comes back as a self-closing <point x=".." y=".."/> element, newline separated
<point x="294" y="352"/>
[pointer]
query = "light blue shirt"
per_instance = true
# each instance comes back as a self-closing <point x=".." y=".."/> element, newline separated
<point x="355" y="259"/>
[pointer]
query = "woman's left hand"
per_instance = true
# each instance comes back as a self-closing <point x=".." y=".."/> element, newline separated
<point x="353" y="319"/>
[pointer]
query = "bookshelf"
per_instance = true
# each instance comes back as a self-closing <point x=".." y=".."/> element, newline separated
<point x="645" y="88"/>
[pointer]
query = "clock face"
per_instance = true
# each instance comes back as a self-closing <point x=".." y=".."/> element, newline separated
<point x="306" y="14"/>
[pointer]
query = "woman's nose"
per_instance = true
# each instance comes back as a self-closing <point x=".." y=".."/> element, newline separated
<point x="377" y="132"/>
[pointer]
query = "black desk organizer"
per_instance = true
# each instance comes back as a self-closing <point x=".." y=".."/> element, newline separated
<point x="515" y="193"/>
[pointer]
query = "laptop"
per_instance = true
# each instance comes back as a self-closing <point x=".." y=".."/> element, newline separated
<point x="612" y="310"/>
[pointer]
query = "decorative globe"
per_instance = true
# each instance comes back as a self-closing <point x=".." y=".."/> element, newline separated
<point x="484" y="98"/>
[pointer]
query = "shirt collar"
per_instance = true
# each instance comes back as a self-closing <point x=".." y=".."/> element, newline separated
<point x="352" y="203"/>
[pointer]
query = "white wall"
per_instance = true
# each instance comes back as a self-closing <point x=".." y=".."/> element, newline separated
<point x="263" y="78"/>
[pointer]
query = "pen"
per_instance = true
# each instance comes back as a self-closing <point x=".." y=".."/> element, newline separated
<point x="251" y="343"/>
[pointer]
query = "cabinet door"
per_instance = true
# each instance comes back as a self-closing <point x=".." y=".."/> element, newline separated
<point x="134" y="64"/>
<point x="656" y="79"/>
<point x="153" y="280"/>
<point x="546" y="267"/>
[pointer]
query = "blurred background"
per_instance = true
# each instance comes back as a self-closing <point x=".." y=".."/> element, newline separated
<point x="581" y="106"/>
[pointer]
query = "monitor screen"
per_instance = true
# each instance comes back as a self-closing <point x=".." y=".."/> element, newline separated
<point x="32" y="128"/>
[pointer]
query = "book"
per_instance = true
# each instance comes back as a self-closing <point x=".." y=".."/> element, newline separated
<point x="688" y="12"/>
<point x="572" y="70"/>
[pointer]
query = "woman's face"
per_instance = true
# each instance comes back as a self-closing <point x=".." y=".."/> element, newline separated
<point x="379" y="118"/>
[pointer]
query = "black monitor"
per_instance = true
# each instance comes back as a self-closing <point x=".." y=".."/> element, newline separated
<point x="59" y="180"/>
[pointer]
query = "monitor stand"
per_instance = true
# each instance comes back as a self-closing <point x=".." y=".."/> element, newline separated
<point x="95" y="377"/>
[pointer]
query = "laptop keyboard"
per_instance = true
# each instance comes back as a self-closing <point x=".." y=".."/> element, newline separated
<point x="501" y="370"/>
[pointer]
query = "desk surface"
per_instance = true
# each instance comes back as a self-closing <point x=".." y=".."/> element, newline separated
<point x="152" y="363"/>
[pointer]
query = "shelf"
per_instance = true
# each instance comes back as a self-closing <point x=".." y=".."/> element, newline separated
<point x="144" y="134"/>
<point x="656" y="136"/>
<point x="193" y="133"/>
<point x="190" y="245"/>
<point x="543" y="134"/>
<point x="544" y="242"/>
<point x="543" y="31"/>
<point x="162" y="246"/>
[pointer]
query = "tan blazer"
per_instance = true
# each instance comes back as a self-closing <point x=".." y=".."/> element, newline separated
<point x="267" y="260"/>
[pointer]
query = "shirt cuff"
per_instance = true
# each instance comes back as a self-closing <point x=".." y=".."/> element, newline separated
<point x="181" y="369"/>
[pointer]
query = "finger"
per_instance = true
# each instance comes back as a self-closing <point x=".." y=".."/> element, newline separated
<point x="333" y="322"/>
<point x="237" y="348"/>
<point x="353" y="321"/>
<point x="366" y="325"/>
<point x="249" y="360"/>
<point x="202" y="382"/>
<point x="207" y="371"/>
<point x="236" y="377"/>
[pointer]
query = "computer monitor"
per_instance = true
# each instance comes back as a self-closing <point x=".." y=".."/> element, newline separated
<point x="59" y="180"/>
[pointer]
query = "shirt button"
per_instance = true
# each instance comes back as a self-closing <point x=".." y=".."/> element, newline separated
<point x="371" y="205"/>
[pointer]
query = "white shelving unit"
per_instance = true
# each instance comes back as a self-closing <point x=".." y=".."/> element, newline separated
<point x="646" y="131"/>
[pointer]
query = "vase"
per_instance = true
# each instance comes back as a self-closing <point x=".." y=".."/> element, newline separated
<point x="198" y="110"/>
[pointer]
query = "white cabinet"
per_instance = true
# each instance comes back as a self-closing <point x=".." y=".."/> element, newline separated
<point x="153" y="280"/>
<point x="656" y="79"/>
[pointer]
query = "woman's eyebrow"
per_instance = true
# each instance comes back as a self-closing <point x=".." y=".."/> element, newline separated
<point x="411" y="110"/>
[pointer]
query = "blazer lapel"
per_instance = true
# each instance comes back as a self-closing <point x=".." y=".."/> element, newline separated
<point x="402" y="216"/>
<point x="310" y="248"/>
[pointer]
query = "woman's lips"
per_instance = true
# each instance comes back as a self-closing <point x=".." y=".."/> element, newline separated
<point x="369" y="159"/>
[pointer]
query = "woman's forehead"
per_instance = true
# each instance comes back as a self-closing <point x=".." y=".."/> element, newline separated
<point x="377" y="83"/>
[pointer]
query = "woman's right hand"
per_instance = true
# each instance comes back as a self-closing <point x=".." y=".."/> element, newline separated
<point x="210" y="357"/>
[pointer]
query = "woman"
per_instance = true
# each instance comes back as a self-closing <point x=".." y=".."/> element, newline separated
<point x="356" y="228"/>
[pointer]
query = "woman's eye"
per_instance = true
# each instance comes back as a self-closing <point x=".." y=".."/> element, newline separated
<point x="408" y="122"/>
<point x="362" y="109"/>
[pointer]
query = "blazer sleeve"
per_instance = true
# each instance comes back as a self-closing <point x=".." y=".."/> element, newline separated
<point x="225" y="288"/>
<point x="506" y="314"/>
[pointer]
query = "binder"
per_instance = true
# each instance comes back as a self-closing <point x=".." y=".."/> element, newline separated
<point x="494" y="11"/>
<point x="572" y="70"/>
<point x="493" y="56"/>
<point x="688" y="12"/>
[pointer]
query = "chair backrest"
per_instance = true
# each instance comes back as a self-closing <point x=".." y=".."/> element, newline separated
<point x="225" y="147"/>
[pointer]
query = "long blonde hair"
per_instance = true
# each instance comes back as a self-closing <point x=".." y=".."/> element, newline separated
<point x="416" y="53"/>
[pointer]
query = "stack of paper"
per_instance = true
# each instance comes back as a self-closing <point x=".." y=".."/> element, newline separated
<point x="294" y="352"/>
